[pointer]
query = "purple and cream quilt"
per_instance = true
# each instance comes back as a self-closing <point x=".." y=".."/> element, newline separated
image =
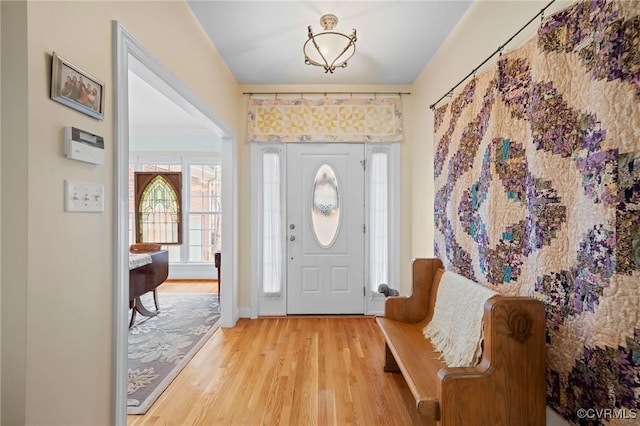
<point x="537" y="179"/>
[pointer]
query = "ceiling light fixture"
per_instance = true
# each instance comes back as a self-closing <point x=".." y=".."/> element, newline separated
<point x="329" y="49"/>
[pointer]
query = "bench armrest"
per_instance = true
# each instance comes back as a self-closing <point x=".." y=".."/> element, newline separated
<point x="509" y="381"/>
<point x="415" y="307"/>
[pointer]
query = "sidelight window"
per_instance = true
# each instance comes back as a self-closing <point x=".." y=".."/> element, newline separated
<point x="379" y="220"/>
<point x="271" y="226"/>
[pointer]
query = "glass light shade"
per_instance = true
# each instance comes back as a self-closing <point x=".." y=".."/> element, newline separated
<point x="329" y="49"/>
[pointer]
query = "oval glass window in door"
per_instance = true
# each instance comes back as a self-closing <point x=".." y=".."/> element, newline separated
<point x="325" y="210"/>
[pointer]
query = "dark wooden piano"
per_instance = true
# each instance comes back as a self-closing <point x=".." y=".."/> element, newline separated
<point x="147" y="278"/>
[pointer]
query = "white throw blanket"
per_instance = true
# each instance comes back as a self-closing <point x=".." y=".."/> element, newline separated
<point x="456" y="326"/>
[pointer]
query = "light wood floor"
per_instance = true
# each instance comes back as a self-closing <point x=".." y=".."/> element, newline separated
<point x="189" y="286"/>
<point x="287" y="371"/>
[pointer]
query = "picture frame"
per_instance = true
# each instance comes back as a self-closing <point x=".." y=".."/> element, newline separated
<point x="76" y="88"/>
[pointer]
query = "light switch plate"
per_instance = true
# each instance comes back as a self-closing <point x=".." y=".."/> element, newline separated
<point x="83" y="196"/>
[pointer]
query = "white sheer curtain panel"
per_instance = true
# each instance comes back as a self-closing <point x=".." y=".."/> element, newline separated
<point x="271" y="225"/>
<point x="379" y="221"/>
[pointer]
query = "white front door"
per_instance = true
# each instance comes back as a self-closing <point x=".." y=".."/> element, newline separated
<point x="325" y="229"/>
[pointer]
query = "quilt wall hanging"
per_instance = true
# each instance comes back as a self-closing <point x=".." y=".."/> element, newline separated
<point x="537" y="178"/>
<point x="325" y="120"/>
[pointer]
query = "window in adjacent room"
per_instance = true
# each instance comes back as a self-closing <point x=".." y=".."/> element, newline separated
<point x="158" y="203"/>
<point x="201" y="204"/>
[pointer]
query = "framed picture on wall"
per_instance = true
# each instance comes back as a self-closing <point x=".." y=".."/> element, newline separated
<point x="76" y="89"/>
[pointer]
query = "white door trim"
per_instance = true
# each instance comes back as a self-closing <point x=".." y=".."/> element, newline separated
<point x="126" y="47"/>
<point x="373" y="304"/>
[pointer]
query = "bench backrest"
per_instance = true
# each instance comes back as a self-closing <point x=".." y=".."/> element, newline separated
<point x="434" y="293"/>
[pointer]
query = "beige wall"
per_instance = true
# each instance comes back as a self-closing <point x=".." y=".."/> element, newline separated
<point x="57" y="280"/>
<point x="14" y="194"/>
<point x="0" y="211"/>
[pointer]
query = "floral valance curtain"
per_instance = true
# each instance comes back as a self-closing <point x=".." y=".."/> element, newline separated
<point x="325" y="120"/>
<point x="537" y="178"/>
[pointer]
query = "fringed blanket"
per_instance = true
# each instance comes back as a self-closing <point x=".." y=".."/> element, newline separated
<point x="456" y="326"/>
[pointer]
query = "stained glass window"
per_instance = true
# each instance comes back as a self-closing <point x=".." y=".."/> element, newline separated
<point x="158" y="207"/>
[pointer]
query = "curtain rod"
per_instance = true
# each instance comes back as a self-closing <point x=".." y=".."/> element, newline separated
<point x="326" y="93"/>
<point x="498" y="50"/>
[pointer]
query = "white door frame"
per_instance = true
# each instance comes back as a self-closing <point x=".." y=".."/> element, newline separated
<point x="128" y="53"/>
<point x="374" y="303"/>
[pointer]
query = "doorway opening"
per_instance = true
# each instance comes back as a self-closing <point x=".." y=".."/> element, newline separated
<point x="131" y="61"/>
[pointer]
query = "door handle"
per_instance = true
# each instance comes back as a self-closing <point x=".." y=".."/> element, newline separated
<point x="292" y="237"/>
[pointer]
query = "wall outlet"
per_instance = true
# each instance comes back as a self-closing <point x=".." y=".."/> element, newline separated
<point x="83" y="197"/>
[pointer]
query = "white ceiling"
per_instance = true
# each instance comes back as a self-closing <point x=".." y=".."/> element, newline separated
<point x="152" y="112"/>
<point x="261" y="41"/>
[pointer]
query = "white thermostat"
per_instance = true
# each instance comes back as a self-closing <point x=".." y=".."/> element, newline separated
<point x="83" y="146"/>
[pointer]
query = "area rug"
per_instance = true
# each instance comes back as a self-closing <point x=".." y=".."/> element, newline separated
<point x="160" y="346"/>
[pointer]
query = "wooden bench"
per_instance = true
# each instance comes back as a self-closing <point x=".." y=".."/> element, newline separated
<point x="507" y="387"/>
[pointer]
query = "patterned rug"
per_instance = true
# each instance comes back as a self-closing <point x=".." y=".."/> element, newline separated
<point x="160" y="346"/>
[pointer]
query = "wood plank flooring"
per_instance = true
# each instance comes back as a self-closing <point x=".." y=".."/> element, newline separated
<point x="189" y="286"/>
<point x="287" y="371"/>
